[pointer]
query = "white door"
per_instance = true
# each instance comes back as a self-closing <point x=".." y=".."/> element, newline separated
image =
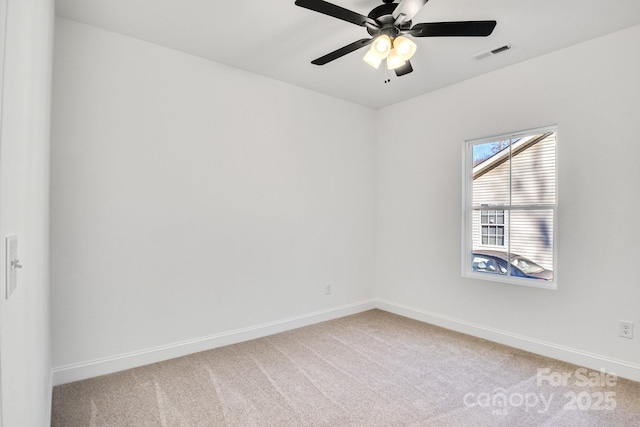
<point x="3" y="30"/>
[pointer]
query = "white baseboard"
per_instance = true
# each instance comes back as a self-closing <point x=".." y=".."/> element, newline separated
<point x="621" y="368"/>
<point x="94" y="368"/>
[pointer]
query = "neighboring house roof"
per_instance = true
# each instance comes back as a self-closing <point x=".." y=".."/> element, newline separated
<point x="502" y="156"/>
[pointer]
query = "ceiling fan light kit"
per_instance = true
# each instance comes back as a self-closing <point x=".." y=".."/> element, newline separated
<point x="372" y="58"/>
<point x="394" y="60"/>
<point x="388" y="24"/>
<point x="396" y="51"/>
<point x="405" y="47"/>
<point x="382" y="45"/>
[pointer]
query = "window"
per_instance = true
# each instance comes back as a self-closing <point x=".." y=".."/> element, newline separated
<point x="510" y="207"/>
<point x="492" y="226"/>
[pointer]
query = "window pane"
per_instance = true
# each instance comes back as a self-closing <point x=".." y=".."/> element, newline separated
<point x="532" y="244"/>
<point x="491" y="173"/>
<point x="533" y="170"/>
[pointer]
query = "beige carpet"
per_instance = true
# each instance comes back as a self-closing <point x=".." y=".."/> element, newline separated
<point x="373" y="368"/>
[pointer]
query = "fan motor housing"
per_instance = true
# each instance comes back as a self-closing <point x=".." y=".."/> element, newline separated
<point x="383" y="14"/>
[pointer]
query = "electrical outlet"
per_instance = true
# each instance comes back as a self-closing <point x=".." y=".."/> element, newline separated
<point x="626" y="329"/>
<point x="328" y="288"/>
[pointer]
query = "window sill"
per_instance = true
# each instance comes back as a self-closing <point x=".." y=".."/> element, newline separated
<point x="497" y="278"/>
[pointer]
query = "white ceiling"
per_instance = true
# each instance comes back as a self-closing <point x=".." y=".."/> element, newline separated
<point x="278" y="39"/>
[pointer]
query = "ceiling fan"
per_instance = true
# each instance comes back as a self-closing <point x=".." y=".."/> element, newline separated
<point x="388" y="24"/>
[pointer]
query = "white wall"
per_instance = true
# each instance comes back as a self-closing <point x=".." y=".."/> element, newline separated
<point x="25" y="356"/>
<point x="191" y="199"/>
<point x="591" y="91"/>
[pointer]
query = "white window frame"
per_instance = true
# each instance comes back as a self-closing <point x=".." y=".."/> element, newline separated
<point x="468" y="208"/>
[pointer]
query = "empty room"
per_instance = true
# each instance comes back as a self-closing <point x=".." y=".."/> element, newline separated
<point x="301" y="212"/>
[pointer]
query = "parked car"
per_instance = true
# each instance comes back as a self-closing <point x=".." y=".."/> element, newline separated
<point x="496" y="262"/>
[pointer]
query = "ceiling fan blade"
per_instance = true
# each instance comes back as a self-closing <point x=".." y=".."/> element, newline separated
<point x="342" y="51"/>
<point x="453" y="29"/>
<point x="408" y="8"/>
<point x="405" y="69"/>
<point x="337" y="12"/>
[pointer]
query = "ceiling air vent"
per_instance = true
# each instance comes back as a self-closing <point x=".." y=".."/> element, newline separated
<point x="491" y="52"/>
